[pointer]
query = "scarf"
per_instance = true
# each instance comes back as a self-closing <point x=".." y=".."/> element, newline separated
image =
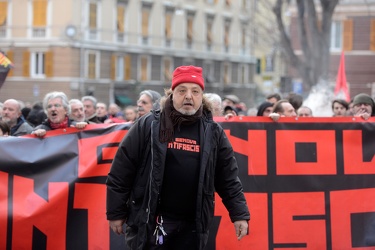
<point x="170" y="117"/>
<point x="63" y="124"/>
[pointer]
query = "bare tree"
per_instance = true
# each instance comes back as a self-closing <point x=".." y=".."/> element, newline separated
<point x="314" y="38"/>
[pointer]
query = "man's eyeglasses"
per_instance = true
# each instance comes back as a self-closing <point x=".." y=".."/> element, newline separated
<point x="54" y="105"/>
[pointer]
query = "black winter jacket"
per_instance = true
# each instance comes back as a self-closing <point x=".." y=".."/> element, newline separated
<point x="135" y="179"/>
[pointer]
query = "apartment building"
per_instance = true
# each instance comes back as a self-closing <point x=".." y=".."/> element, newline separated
<point x="113" y="49"/>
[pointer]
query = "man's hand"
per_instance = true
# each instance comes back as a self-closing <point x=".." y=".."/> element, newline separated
<point x="39" y="132"/>
<point x="116" y="226"/>
<point x="241" y="227"/>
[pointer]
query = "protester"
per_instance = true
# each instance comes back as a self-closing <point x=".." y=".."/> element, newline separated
<point x="363" y="106"/>
<point x="215" y="99"/>
<point x="282" y="108"/>
<point x="339" y="107"/>
<point x="101" y="112"/>
<point x="89" y="104"/>
<point x="304" y="111"/>
<point x="114" y="114"/>
<point x="77" y="112"/>
<point x="167" y="169"/>
<point x="148" y="100"/>
<point x="230" y="100"/>
<point x="12" y="115"/>
<point x="296" y="100"/>
<point x="273" y="98"/>
<point x="36" y="115"/>
<point x="56" y="105"/>
<point x="265" y="109"/>
<point x="131" y="113"/>
<point x="4" y="129"/>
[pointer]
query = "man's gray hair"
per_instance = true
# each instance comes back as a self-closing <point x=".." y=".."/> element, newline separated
<point x="90" y="98"/>
<point x="154" y="96"/>
<point x="56" y="94"/>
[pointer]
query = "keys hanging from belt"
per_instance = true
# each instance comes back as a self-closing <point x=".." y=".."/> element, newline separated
<point x="159" y="231"/>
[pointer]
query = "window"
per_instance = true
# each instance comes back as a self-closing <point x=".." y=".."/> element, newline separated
<point x="119" y="68"/>
<point x="39" y="18"/>
<point x="336" y="35"/>
<point x="145" y="22"/>
<point x="41" y="64"/>
<point x="93" y="20"/>
<point x="92" y="65"/>
<point x="243" y="38"/>
<point x="144" y="68"/>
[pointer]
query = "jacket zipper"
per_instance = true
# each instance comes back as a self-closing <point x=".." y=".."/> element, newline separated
<point x="152" y="169"/>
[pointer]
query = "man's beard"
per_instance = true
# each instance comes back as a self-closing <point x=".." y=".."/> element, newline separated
<point x="187" y="112"/>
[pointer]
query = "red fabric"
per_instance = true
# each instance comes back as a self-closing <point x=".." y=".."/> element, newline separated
<point x="63" y="124"/>
<point x="341" y="80"/>
<point x="187" y="74"/>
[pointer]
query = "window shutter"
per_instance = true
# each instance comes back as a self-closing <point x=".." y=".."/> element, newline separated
<point x="3" y="13"/>
<point x="120" y="19"/>
<point x="128" y="67"/>
<point x="92" y="73"/>
<point x="113" y="67"/>
<point x="26" y="64"/>
<point x="190" y="29"/>
<point x="49" y="64"/>
<point x="10" y="56"/>
<point x="143" y="68"/>
<point x="167" y="70"/>
<point x="348" y="35"/>
<point x="209" y="32"/>
<point x="145" y="16"/>
<point x="168" y="25"/>
<point x="372" y="35"/>
<point x="226" y="35"/>
<point x="39" y="13"/>
<point x="92" y="18"/>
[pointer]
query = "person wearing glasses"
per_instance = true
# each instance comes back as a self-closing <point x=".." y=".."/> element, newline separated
<point x="12" y="115"/>
<point x="56" y="105"/>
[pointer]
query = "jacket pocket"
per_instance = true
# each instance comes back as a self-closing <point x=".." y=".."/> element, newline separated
<point x="207" y="209"/>
<point x="135" y="205"/>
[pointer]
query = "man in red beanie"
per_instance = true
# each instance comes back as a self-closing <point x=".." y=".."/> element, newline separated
<point x="164" y="176"/>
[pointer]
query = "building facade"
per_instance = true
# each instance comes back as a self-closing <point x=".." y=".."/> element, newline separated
<point x="113" y="49"/>
<point x="352" y="32"/>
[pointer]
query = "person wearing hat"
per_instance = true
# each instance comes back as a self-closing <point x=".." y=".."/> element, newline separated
<point x="160" y="184"/>
<point x="363" y="106"/>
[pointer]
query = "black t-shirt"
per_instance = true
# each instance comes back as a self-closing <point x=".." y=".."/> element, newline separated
<point x="180" y="181"/>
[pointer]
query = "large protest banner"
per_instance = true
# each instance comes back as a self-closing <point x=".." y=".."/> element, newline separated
<point x="309" y="183"/>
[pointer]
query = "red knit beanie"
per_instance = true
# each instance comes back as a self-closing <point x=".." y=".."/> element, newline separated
<point x="187" y="74"/>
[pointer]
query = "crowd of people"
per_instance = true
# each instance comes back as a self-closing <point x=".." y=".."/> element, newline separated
<point x="18" y="118"/>
<point x="160" y="188"/>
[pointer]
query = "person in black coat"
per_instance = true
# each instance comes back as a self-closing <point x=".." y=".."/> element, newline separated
<point x="166" y="171"/>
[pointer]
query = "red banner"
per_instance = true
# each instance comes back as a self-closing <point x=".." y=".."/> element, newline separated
<point x="309" y="184"/>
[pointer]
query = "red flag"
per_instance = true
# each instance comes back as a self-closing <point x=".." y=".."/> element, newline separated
<point x="341" y="86"/>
